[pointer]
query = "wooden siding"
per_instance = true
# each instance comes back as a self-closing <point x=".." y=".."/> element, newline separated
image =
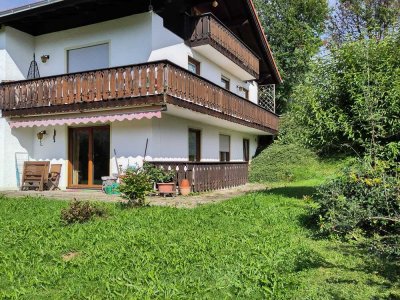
<point x="207" y="29"/>
<point x="208" y="176"/>
<point x="159" y="82"/>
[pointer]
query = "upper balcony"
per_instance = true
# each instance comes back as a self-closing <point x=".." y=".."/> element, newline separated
<point x="154" y="83"/>
<point x="210" y="37"/>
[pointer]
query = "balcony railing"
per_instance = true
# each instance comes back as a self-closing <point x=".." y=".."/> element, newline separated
<point x="207" y="176"/>
<point x="150" y="83"/>
<point x="207" y="29"/>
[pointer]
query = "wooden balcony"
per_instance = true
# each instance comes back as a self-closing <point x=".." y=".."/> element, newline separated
<point x="154" y="83"/>
<point x="208" y="30"/>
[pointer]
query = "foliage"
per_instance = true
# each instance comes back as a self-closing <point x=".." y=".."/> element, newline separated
<point x="365" y="199"/>
<point x="80" y="212"/>
<point x="281" y="162"/>
<point x="359" y="19"/>
<point x="158" y="175"/>
<point x="135" y="186"/>
<point x="253" y="247"/>
<point x="294" y="30"/>
<point x="351" y="99"/>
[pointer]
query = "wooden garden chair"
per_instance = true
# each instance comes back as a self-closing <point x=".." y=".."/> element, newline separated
<point x="54" y="177"/>
<point x="35" y="175"/>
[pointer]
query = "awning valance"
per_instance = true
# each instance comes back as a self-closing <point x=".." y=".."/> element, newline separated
<point x="76" y="120"/>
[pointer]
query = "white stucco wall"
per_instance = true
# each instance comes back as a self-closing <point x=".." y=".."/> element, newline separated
<point x="168" y="141"/>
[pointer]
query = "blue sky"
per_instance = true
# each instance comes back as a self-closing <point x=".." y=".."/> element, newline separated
<point x="9" y="4"/>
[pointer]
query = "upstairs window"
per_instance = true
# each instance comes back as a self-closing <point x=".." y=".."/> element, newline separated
<point x="88" y="58"/>
<point x="226" y="82"/>
<point x="246" y="93"/>
<point x="193" y="66"/>
<point x="224" y="147"/>
<point x="194" y="145"/>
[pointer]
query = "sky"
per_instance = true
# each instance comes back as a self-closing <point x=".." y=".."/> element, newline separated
<point x="9" y="4"/>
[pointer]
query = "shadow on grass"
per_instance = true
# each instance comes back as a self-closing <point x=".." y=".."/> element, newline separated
<point x="297" y="192"/>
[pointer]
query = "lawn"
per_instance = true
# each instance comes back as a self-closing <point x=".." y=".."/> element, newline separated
<point x="256" y="246"/>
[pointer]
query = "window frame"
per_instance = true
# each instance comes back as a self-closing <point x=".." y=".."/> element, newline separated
<point x="198" y="144"/>
<point x="226" y="82"/>
<point x="246" y="150"/>
<point x="223" y="155"/>
<point x="196" y="63"/>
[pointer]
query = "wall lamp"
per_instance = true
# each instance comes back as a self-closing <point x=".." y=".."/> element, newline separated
<point x="45" y="58"/>
<point x="40" y="136"/>
<point x="214" y="3"/>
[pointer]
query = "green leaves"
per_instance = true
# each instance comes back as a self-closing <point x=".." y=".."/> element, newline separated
<point x="294" y="30"/>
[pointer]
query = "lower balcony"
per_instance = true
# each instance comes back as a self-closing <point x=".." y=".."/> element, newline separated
<point x="153" y="83"/>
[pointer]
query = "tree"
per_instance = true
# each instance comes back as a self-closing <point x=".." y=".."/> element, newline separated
<point x="351" y="98"/>
<point x="359" y="19"/>
<point x="294" y="30"/>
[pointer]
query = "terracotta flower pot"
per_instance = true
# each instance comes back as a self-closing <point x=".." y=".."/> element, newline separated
<point x="184" y="187"/>
<point x="166" y="188"/>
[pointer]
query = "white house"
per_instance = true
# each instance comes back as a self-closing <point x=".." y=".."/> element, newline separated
<point x="175" y="80"/>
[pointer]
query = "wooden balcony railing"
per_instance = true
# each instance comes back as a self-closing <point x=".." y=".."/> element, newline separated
<point x="208" y="176"/>
<point x="160" y="82"/>
<point x="207" y="29"/>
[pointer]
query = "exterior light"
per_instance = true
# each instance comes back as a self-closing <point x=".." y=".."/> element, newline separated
<point x="45" y="58"/>
<point x="215" y="3"/>
<point x="40" y="135"/>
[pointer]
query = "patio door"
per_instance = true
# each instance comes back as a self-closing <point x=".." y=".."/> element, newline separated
<point x="89" y="156"/>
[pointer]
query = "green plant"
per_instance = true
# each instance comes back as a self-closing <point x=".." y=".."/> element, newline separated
<point x="157" y="174"/>
<point x="365" y="199"/>
<point x="80" y="212"/>
<point x="283" y="162"/>
<point x="135" y="186"/>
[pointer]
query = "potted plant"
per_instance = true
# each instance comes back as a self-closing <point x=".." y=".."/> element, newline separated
<point x="163" y="179"/>
<point x="166" y="182"/>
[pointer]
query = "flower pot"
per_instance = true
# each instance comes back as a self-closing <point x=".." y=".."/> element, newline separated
<point x="166" y="188"/>
<point x="184" y="187"/>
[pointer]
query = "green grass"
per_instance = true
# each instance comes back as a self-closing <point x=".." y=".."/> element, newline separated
<point x="253" y="247"/>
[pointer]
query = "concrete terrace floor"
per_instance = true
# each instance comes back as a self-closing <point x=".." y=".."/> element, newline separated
<point x="177" y="201"/>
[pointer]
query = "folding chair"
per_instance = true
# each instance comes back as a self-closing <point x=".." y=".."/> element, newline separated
<point x="35" y="175"/>
<point x="54" y="177"/>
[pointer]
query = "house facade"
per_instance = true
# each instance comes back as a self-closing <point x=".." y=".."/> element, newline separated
<point x="116" y="82"/>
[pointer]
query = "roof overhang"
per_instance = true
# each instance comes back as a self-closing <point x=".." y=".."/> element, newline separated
<point x="56" y="15"/>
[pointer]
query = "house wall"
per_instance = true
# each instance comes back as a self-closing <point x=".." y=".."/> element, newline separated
<point x="167" y="141"/>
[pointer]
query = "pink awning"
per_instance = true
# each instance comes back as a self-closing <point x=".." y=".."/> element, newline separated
<point x="105" y="118"/>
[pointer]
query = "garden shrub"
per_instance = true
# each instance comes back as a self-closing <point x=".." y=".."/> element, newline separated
<point x="283" y="162"/>
<point x="364" y="200"/>
<point x="80" y="212"/>
<point x="135" y="186"/>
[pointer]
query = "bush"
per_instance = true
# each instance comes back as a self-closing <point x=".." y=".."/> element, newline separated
<point x="363" y="200"/>
<point x="80" y="212"/>
<point x="281" y="162"/>
<point x="135" y="186"/>
<point x="156" y="174"/>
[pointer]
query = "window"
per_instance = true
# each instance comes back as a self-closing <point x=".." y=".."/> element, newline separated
<point x="246" y="150"/>
<point x="246" y="93"/>
<point x="88" y="58"/>
<point x="194" y="145"/>
<point x="226" y="83"/>
<point x="193" y="66"/>
<point x="224" y="147"/>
